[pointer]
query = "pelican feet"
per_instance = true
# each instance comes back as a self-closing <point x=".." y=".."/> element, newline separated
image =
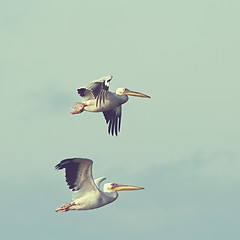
<point x="65" y="208"/>
<point x="78" y="108"/>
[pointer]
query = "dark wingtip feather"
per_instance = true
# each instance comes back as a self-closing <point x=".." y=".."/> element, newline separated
<point x="109" y="127"/>
<point x="64" y="163"/>
<point x="119" y="123"/>
<point x="81" y="91"/>
<point x="116" y="127"/>
<point x="113" y="122"/>
<point x="60" y="165"/>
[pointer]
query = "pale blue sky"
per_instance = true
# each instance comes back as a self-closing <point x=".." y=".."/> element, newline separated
<point x="182" y="145"/>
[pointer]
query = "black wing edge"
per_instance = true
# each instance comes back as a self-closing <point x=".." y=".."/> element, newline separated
<point x="81" y="91"/>
<point x="71" y="166"/>
<point x="98" y="87"/>
<point x="65" y="163"/>
<point x="70" y="162"/>
<point x="95" y="87"/>
<point x="113" y="120"/>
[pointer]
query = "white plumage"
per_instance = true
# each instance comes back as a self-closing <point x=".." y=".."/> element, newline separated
<point x="86" y="192"/>
<point x="97" y="98"/>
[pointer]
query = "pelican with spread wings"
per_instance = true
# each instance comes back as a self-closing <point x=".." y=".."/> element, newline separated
<point x="97" y="98"/>
<point x="86" y="192"/>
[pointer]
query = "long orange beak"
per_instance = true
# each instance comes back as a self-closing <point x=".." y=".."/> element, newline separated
<point x="126" y="188"/>
<point x="135" y="94"/>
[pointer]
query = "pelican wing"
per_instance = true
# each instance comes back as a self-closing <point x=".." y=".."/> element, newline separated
<point x="78" y="174"/>
<point x="98" y="181"/>
<point x="113" y="119"/>
<point x="96" y="89"/>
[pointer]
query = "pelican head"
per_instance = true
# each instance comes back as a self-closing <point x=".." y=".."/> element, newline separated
<point x="126" y="91"/>
<point x="114" y="187"/>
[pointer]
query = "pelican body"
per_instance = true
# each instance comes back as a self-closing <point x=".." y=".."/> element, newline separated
<point x="97" y="98"/>
<point x="111" y="101"/>
<point x="86" y="192"/>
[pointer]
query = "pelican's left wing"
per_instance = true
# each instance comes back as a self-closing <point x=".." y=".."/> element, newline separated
<point x="78" y="173"/>
<point x="113" y="119"/>
<point x="96" y="89"/>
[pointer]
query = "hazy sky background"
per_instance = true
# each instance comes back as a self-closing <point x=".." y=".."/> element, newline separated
<point x="182" y="145"/>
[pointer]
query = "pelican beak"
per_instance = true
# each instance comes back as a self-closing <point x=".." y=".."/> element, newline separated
<point x="135" y="94"/>
<point x="125" y="188"/>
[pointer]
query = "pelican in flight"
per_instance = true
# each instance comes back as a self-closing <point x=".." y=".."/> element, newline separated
<point x="97" y="98"/>
<point x="86" y="192"/>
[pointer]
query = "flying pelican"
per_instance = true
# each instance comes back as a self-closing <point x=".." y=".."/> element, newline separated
<point x="86" y="192"/>
<point x="97" y="98"/>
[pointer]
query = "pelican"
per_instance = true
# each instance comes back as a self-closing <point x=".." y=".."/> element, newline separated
<point x="86" y="192"/>
<point x="97" y="98"/>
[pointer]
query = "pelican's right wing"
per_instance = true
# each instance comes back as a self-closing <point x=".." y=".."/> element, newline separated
<point x="96" y="90"/>
<point x="78" y="173"/>
<point x="99" y="180"/>
<point x="113" y="119"/>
